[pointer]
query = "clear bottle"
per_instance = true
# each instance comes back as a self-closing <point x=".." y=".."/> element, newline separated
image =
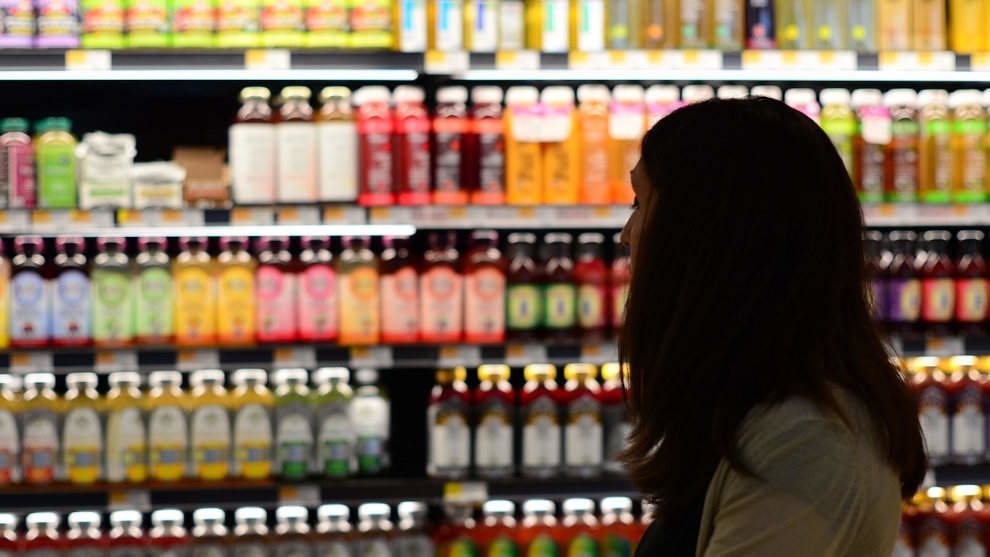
<point x="902" y="151"/>
<point x="839" y="122"/>
<point x="540" y="417"/>
<point x="374" y="529"/>
<point x="252" y="149"/>
<point x="830" y="22"/>
<point x="413" y="536"/>
<point x="209" y="425"/>
<point x="113" y="313"/>
<point x="441" y="291"/>
<point x="291" y="531"/>
<point x="969" y="130"/>
<point x="209" y="533"/>
<point x="694" y="23"/>
<point x="399" y="288"/>
<point x="620" y="30"/>
<point x="39" y="428"/>
<point x="30" y="295"/>
<point x="929" y="25"/>
<point x="84" y="538"/>
<point x="126" y="537"/>
<point x="370" y="415"/>
<point x="126" y="447"/>
<point x="870" y="143"/>
<point x="357" y="272"/>
<point x="935" y="149"/>
<point x="317" y="304"/>
<point x="250" y="533"/>
<point x="154" y="320"/>
<point x="293" y="424"/>
<point x="167" y="537"/>
<point x="235" y="292"/>
<point x="295" y="147"/>
<point x="334" y="430"/>
<point x="168" y="435"/>
<point x="336" y="133"/>
<point x="276" y="288"/>
<point x="495" y="409"/>
<point x="448" y="433"/>
<point x="659" y="24"/>
<point x="82" y="429"/>
<point x="10" y="439"/>
<point x="582" y="421"/>
<point x="71" y="311"/>
<point x="252" y="424"/>
<point x="334" y="531"/>
<point x="863" y="25"/>
<point x="195" y="294"/>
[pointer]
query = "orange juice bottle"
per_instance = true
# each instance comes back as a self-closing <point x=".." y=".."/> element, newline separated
<point x="523" y="120"/>
<point x="935" y="152"/>
<point x="168" y="437"/>
<point x="895" y="22"/>
<point x="195" y="294"/>
<point x="357" y="273"/>
<point x="968" y="146"/>
<point x="40" y="409"/>
<point x="592" y="128"/>
<point x="82" y="431"/>
<point x="235" y="292"/>
<point x="968" y="31"/>
<point x="929" y="25"/>
<point x="560" y="147"/>
<point x="626" y="124"/>
<point x="209" y="425"/>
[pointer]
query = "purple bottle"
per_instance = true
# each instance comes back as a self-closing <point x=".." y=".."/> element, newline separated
<point x="16" y="23"/>
<point x="58" y="23"/>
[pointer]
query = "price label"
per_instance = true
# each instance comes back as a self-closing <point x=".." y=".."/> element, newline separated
<point x="126" y="499"/>
<point x="15" y="220"/>
<point x="77" y="217"/>
<point x="252" y="216"/>
<point x="518" y="355"/>
<point x="442" y="62"/>
<point x="116" y="360"/>
<point x="587" y="60"/>
<point x="517" y="60"/>
<point x="465" y="492"/>
<point x="305" y="495"/>
<point x="526" y="212"/>
<point x="944" y="347"/>
<point x="811" y="60"/>
<point x="189" y="360"/>
<point x="87" y="60"/>
<point x="295" y="356"/>
<point x="337" y="214"/>
<point x="380" y="214"/>
<point x="979" y="61"/>
<point x="31" y="362"/>
<point x="267" y="59"/>
<point x="454" y="356"/>
<point x="298" y="215"/>
<point x="599" y="353"/>
<point x="918" y="61"/>
<point x="376" y="357"/>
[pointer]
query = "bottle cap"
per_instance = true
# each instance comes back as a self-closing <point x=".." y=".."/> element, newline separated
<point x="273" y="243"/>
<point x="964" y="235"/>
<point x="408" y="94"/>
<point x="125" y="378"/>
<point x="81" y="379"/>
<point x="539" y="371"/>
<point x="256" y="93"/>
<point x="487" y="235"/>
<point x="21" y="241"/>
<point x="866" y="97"/>
<point x="557" y="95"/>
<point x="522" y="238"/>
<point x="335" y="92"/>
<point x="578" y="505"/>
<point x="371" y="94"/>
<point x="768" y="91"/>
<point x="125" y="517"/>
<point x="62" y="241"/>
<point x="34" y="520"/>
<point x="591" y="238"/>
<point x="40" y="380"/>
<point x="615" y="504"/>
<point x="965" y="97"/>
<point x="450" y="375"/>
<point x="366" y="376"/>
<point x="8" y="521"/>
<point x="593" y="93"/>
<point x="209" y="514"/>
<point x="165" y="377"/>
<point x="110" y="241"/>
<point x="936" y="236"/>
<point x="245" y="514"/>
<point x="14" y="125"/>
<point x="933" y="96"/>
<point x="361" y="241"/>
<point x="732" y="92"/>
<point x="167" y="516"/>
<point x="498" y="506"/>
<point x="452" y="95"/>
<point x="82" y="519"/>
<point x="239" y="241"/>
<point x="662" y="94"/>
<point x="573" y="371"/>
<point x="11" y="382"/>
<point x="494" y="372"/>
<point x="538" y="506"/>
<point x="557" y="238"/>
<point x="287" y="375"/>
<point x="697" y="93"/>
<point x="242" y="376"/>
<point x="835" y="96"/>
<point x="800" y="97"/>
<point x="487" y="94"/>
<point x="315" y="241"/>
<point x="522" y="95"/>
<point x="409" y="509"/>
<point x="611" y="371"/>
<point x="327" y="374"/>
<point x="902" y="97"/>
<point x="333" y="511"/>
<point x="144" y="243"/>
<point x="295" y="92"/>
<point x="187" y="241"/>
<point x="202" y="376"/>
<point x="628" y="94"/>
<point x="291" y="512"/>
<point x="368" y="510"/>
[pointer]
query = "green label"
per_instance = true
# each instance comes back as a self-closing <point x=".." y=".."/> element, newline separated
<point x="463" y="547"/>
<point x="839" y="127"/>
<point x="938" y="127"/>
<point x="57" y="176"/>
<point x="502" y="547"/>
<point x="111" y="306"/>
<point x="238" y="22"/>
<point x="615" y="546"/>
<point x="153" y="304"/>
<point x="542" y="546"/>
<point x="904" y="127"/>
<point x="525" y="304"/>
<point x="582" y="546"/>
<point x="971" y="127"/>
<point x="147" y="23"/>
<point x="560" y="306"/>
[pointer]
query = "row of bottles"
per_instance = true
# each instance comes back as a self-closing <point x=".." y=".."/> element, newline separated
<point x="940" y="521"/>
<point x="208" y="433"/>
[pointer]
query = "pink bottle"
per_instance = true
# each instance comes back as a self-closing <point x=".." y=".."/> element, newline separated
<point x="276" y="290"/>
<point x="375" y="126"/>
<point x="17" y="186"/>
<point x="317" y="300"/>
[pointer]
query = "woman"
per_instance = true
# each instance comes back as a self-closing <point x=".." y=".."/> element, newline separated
<point x="767" y="417"/>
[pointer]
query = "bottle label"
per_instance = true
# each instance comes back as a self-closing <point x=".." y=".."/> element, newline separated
<point x="82" y="445"/>
<point x="294" y="441"/>
<point x="591" y="306"/>
<point x="19" y="168"/>
<point x="153" y="304"/>
<point x="40" y="445"/>
<point x="317" y="307"/>
<point x="449" y="438"/>
<point x="616" y="546"/>
<point x="525" y="306"/>
<point x="491" y="140"/>
<point x="376" y="155"/>
<point x="252" y="442"/>
<point x="502" y="547"/>
<point x="448" y="134"/>
<point x="971" y="300"/>
<point x="934" y="420"/>
<point x="370" y="419"/>
<point x="336" y="548"/>
<point x="400" y="306"/>
<point x="583" y="433"/>
<point x="449" y="31"/>
<point x="10" y="447"/>
<point x="126" y="446"/>
<point x="620" y="292"/>
<point x="582" y="545"/>
<point x="167" y="443"/>
<point x="968" y="424"/>
<point x="414" y="143"/>
<point x="359" y="312"/>
<point x="543" y="546"/>
<point x="904" y="153"/>
<point x="70" y="307"/>
<point x="493" y="437"/>
<point x="591" y="26"/>
<point x="442" y="295"/>
<point x="296" y="153"/>
<point x="556" y="28"/>
<point x="29" y="304"/>
<point x="252" y="162"/>
<point x="510" y="25"/>
<point x="276" y="304"/>
<point x="939" y="299"/>
<point x="195" y="306"/>
<point x="541" y="435"/>
<point x="210" y="440"/>
<point x="871" y="173"/>
<point x="338" y="160"/>
<point x="235" y="305"/>
<point x="461" y="547"/>
<point x="970" y="134"/>
<point x="237" y="21"/>
<point x="560" y="306"/>
<point x="336" y="436"/>
<point x="484" y="310"/>
<point x="373" y="547"/>
<point x="484" y="31"/>
<point x="112" y="313"/>
<point x="412" y="26"/>
<point x="56" y="175"/>
<point x="904" y="299"/>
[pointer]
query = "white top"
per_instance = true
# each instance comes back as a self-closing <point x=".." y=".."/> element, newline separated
<point x="498" y="506"/>
<point x="578" y="505"/>
<point x="835" y="96"/>
<point x="486" y="94"/>
<point x="161" y="377"/>
<point x="208" y="514"/>
<point x="616" y="504"/>
<point x="83" y="378"/>
<point x="34" y="520"/>
<point x="206" y="375"/>
<point x="84" y="517"/>
<point x="959" y="98"/>
<point x="866" y="97"/>
<point x="662" y="94"/>
<point x="800" y="97"/>
<point x="325" y="374"/>
<point x="557" y="95"/>
<point x="732" y="92"/>
<point x="333" y="510"/>
<point x="408" y="94"/>
<point x="933" y="96"/>
<point x="769" y="91"/>
<point x="244" y="514"/>
<point x="631" y="94"/>
<point x="538" y="506"/>
<point x="242" y="376"/>
<point x="452" y="95"/>
<point x="288" y="512"/>
<point x="901" y="97"/>
<point x="126" y="517"/>
<point x="697" y="93"/>
<point x="167" y="515"/>
<point x="371" y="94"/>
<point x="298" y="375"/>
<point x="368" y="510"/>
<point x="40" y="379"/>
<point x="409" y="508"/>
<point x="128" y="377"/>
<point x="366" y="376"/>
<point x="522" y="94"/>
<point x="593" y="93"/>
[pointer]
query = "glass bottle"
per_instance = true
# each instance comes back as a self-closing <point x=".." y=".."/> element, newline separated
<point x="582" y="421"/>
<point x="235" y="292"/>
<point x="448" y="434"/>
<point x="540" y="417"/>
<point x="370" y="416"/>
<point x="250" y="533"/>
<point x="82" y="429"/>
<point x="71" y="311"/>
<point x="154" y="321"/>
<point x="334" y="430"/>
<point x="524" y="297"/>
<point x="495" y="409"/>
<point x="209" y="425"/>
<point x="39" y="428"/>
<point x="441" y="290"/>
<point x="560" y="293"/>
<point x="252" y="423"/>
<point x="293" y="424"/>
<point x="126" y="454"/>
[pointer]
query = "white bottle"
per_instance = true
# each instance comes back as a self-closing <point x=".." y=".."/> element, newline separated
<point x="555" y="34"/>
<point x="370" y="418"/>
<point x="697" y="93"/>
<point x="252" y="149"/>
<point x="484" y="25"/>
<point x="448" y="31"/>
<point x="412" y="26"/>
<point x="338" y="148"/>
<point x="590" y="26"/>
<point x="296" y="147"/>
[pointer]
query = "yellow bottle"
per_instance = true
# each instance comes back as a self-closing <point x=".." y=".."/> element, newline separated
<point x="126" y="454"/>
<point x="4" y="303"/>
<point x="357" y="281"/>
<point x="592" y="125"/>
<point x="195" y="294"/>
<point x="895" y="23"/>
<point x="560" y="148"/>
<point x="40" y="409"/>
<point x="523" y="152"/>
<point x="251" y="405"/>
<point x="9" y="439"/>
<point x="969" y="130"/>
<point x="168" y="437"/>
<point x="82" y="430"/>
<point x="627" y="122"/>
<point x="209" y="425"/>
<point x="235" y="293"/>
<point x="969" y="25"/>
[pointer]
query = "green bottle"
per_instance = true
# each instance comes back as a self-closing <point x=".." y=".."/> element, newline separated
<point x="334" y="432"/>
<point x="55" y="156"/>
<point x="293" y="424"/>
<point x="153" y="287"/>
<point x="370" y="416"/>
<point x="839" y="122"/>
<point x="113" y="318"/>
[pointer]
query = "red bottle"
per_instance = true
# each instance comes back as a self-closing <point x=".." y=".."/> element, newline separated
<point x="971" y="282"/>
<point x="539" y="536"/>
<point x="71" y="311"/>
<point x="30" y="297"/>
<point x="931" y="384"/>
<point x="412" y="146"/>
<point x="580" y="528"/>
<point x="938" y="288"/>
<point x="317" y="297"/>
<point x="167" y="535"/>
<point x="592" y="278"/>
<point x="126" y="536"/>
<point x="84" y="538"/>
<point x="619" y="276"/>
<point x="484" y="174"/>
<point x="497" y="535"/>
<point x="495" y="414"/>
<point x="450" y="127"/>
<point x="448" y="432"/>
<point x="9" y="542"/>
<point x="441" y="291"/>
<point x="560" y="289"/>
<point x="42" y="538"/>
<point x="375" y="126"/>
<point x="484" y="290"/>
<point x="619" y="530"/>
<point x="399" y="292"/>
<point x="276" y="285"/>
<point x="456" y="537"/>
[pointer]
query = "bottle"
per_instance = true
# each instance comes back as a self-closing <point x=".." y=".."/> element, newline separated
<point x="619" y="531"/>
<point x="276" y="288"/>
<point x="614" y="417"/>
<point x="580" y="526"/>
<point x="358" y="275"/>
<point x="195" y="294"/>
<point x="965" y="387"/>
<point x="39" y="428"/>
<point x="620" y="274"/>
<point x="411" y="35"/>
<point x="935" y="147"/>
<point x="251" y="413"/>
<point x="761" y="30"/>
<point x="895" y="23"/>
<point x="446" y="25"/>
<point x="484" y="290"/>
<point x="619" y="32"/>
<point x="627" y="122"/>
<point x="458" y="533"/>
<point x="523" y="117"/>
<point x="251" y="537"/>
<point x="560" y="295"/>
<point x="55" y="152"/>
<point x="511" y="25"/>
<point x="902" y="151"/>
<point x="904" y="292"/>
<point x="592" y="279"/>
<point x="804" y="101"/>
<point x="661" y="100"/>
<point x="968" y="25"/>
<point x="484" y="148"/>
<point x="126" y="448"/>
<point x="168" y="437"/>
<point x="252" y="149"/>
<point x="209" y="425"/>
<point x="167" y="537"/>
<point x="877" y="260"/>
<point x="10" y="439"/>
<point x="295" y="135"/>
<point x="593" y="128"/>
<point x="82" y="429"/>
<point x="869" y="144"/>
<point x="30" y="296"/>
<point x="693" y="21"/>
<point x="375" y="126"/>
<point x="582" y="421"/>
<point x="113" y="317"/>
<point x="929" y="25"/>
<point x="42" y="538"/>
<point x="693" y="94"/>
<point x="540" y="418"/>
<point x="154" y="305"/>
<point x="539" y="527"/>
<point x="125" y="536"/>
<point x="448" y="435"/>
<point x="399" y="292"/>
<point x="768" y="91"/>
<point x="412" y="145"/>
<point x="561" y="169"/>
<point x="209" y="533"/>
<point x="450" y="128"/>
<point x="441" y="291"/>
<point x="588" y="26"/>
<point x="317" y="308"/>
<point x="334" y="530"/>
<point x="862" y="25"/>
<point x="334" y="431"/>
<point x="727" y="24"/>
<point x="291" y="531"/>
<point x="17" y="185"/>
<point x="370" y="413"/>
<point x="495" y="408"/>
<point x="71" y="312"/>
<point x="413" y="539"/>
<point x="830" y="21"/>
<point x="83" y="538"/>
<point x="971" y="281"/>
<point x="930" y="383"/>
<point x="969" y="157"/>
<point x="235" y="292"/>
<point x="374" y="529"/>
<point x="839" y="122"/>
<point x="547" y="28"/>
<point x="938" y="289"/>
<point x="725" y="92"/>
<point x="659" y="24"/>
<point x="793" y="24"/>
<point x="293" y="424"/>
<point x="336" y="134"/>
<point x="524" y="294"/>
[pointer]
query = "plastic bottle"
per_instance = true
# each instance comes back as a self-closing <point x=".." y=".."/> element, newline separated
<point x="457" y="535"/>
<point x="413" y="538"/>
<point x="971" y="281"/>
<point x="293" y="424"/>
<point x="661" y="100"/>
<point x="209" y="425"/>
<point x="582" y="421"/>
<point x="593" y="128"/>
<point x="445" y="24"/>
<point x="448" y="434"/>
<point x="400" y="293"/>
<point x="410" y="31"/>
<point x="830" y="23"/>
<point x="935" y="149"/>
<point x="862" y="25"/>
<point x="337" y="161"/>
<point x="112" y="286"/>
<point x="499" y="528"/>
<point x="547" y="25"/>
<point x="235" y="292"/>
<point x="209" y="535"/>
<point x="694" y="23"/>
<point x="868" y="148"/>
<point x="561" y="166"/>
<point x="42" y="538"/>
<point x="560" y="295"/>
<point x="295" y="147"/>
<point x="968" y="25"/>
<point x="334" y="530"/>
<point x="580" y="526"/>
<point x="82" y="429"/>
<point x="768" y="91"/>
<point x="484" y="290"/>
<point x="620" y="273"/>
<point x="450" y="127"/>
<point x="125" y="536"/>
<point x="619" y="531"/>
<point x="725" y="92"/>
<point x="291" y="531"/>
<point x="839" y="122"/>
<point x="370" y="414"/>
<point x="969" y="130"/>
<point x="126" y="448"/>
<point x="794" y="24"/>
<point x="441" y="291"/>
<point x="481" y="25"/>
<point x="523" y="151"/>
<point x="39" y="428"/>
<point x="540" y="417"/>
<point x="929" y="24"/>
<point x="938" y="288"/>
<point x="614" y="418"/>
<point x="276" y="287"/>
<point x="17" y="185"/>
<point x="895" y="23"/>
<point x="84" y="538"/>
<point x="901" y="159"/>
<point x="168" y="437"/>
<point x="494" y="407"/>
<point x="761" y="32"/>
<point x="251" y="413"/>
<point x="195" y="294"/>
<point x="511" y="25"/>
<point x="374" y="529"/>
<point x="375" y="126"/>
<point x="251" y="535"/>
<point x="154" y="306"/>
<point x="968" y="425"/>
<point x="316" y="304"/>
<point x="55" y="151"/>
<point x="334" y="431"/>
<point x="539" y="527"/>
<point x="10" y="438"/>
<point x="252" y="149"/>
<point x="30" y="296"/>
<point x="484" y="150"/>
<point x="903" y="287"/>
<point x="357" y="274"/>
<point x="622" y="25"/>
<point x="524" y="295"/>
<point x="167" y="537"/>
<point x="659" y="23"/>
<point x="411" y="146"/>
<point x="588" y="26"/>
<point x="371" y="24"/>
<point x="930" y="383"/>
<point x="71" y="312"/>
<point x="804" y="101"/>
<point x="727" y="24"/>
<point x="627" y="122"/>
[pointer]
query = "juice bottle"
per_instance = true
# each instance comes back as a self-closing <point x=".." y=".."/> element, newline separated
<point x="252" y="148"/>
<point x="901" y="161"/>
<point x="370" y="415"/>
<point x="441" y="291"/>
<point x="71" y="312"/>
<point x="484" y="290"/>
<point x="693" y="94"/>
<point x="125" y="536"/>
<point x="547" y="25"/>
<point x="251" y="409"/>
<point x="193" y="23"/>
<point x="82" y="429"/>
<point x="968" y="424"/>
<point x="804" y="101"/>
<point x="966" y="518"/>
<point x="209" y="425"/>
<point x="869" y="144"/>
<point x="794" y="24"/>
<point x="358" y="275"/>
<point x="929" y="24"/>
<point x="55" y="152"/>
<point x="930" y="383"/>
<point x="40" y="446"/>
<point x="561" y="166"/>
<point x="582" y="421"/>
<point x="830" y="20"/>
<point x="410" y="33"/>
<point x="457" y="535"/>
<point x="498" y="536"/>
<point x="540" y="418"/>
<point x="167" y="537"/>
<point x="938" y="289"/>
<point x="592" y="279"/>
<point x="295" y="146"/>
<point x="327" y="23"/>
<point x="238" y="23"/>
<point x="30" y="296"/>
<point x="374" y="529"/>
<point x="153" y="293"/>
<point x="168" y="438"/>
<point x="446" y="24"/>
<point x="484" y="148"/>
<point x="147" y="24"/>
<point x="317" y="307"/>
<point x="235" y="292"/>
<point x="969" y="131"/>
<point x="839" y="122"/>
<point x="538" y="534"/>
<point x="661" y="100"/>
<point x="768" y="91"/>
<point x="293" y="424"/>
<point x="113" y="311"/>
<point x="375" y="127"/>
<point x="968" y="25"/>
<point x="593" y="129"/>
<point x="413" y="539"/>
<point x="619" y="531"/>
<point x="291" y="531"/>
<point x="580" y="526"/>
<point x="336" y="134"/>
<point x="42" y="538"/>
<point x="495" y="408"/>
<point x="334" y="431"/>
<point x="895" y="22"/>
<point x="620" y="274"/>
<point x="251" y="537"/>
<point x="126" y="449"/>
<point x="209" y="535"/>
<point x="935" y="149"/>
<point x="83" y="538"/>
<point x="411" y="146"/>
<point x="614" y="418"/>
<point x="195" y="294"/>
<point x="903" y="287"/>
<point x="450" y="128"/>
<point x="971" y="281"/>
<point x="334" y="530"/>
<point x="17" y="186"/>
<point x="523" y="152"/>
<point x="619" y="31"/>
<point x="276" y="289"/>
<point x="371" y="24"/>
<point x="693" y="21"/>
<point x="448" y="434"/>
<point x="560" y="293"/>
<point x="524" y="294"/>
<point x="761" y="22"/>
<point x="659" y="23"/>
<point x="399" y="292"/>
<point x="862" y="25"/>
<point x="588" y="26"/>
<point x="10" y="439"/>
<point x="727" y="24"/>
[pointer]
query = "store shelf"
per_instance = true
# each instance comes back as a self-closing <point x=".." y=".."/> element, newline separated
<point x="504" y="217"/>
<point x="941" y="346"/>
<point x="913" y="214"/>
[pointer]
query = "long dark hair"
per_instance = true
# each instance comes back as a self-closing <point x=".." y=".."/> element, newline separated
<point x="748" y="287"/>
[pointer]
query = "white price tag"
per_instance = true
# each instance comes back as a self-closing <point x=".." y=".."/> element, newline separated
<point x="295" y="356"/>
<point x="459" y="355"/>
<point x="68" y="218"/>
<point x="944" y="347"/>
<point x="517" y="60"/>
<point x="305" y="495"/>
<point x="465" y="492"/>
<point x="376" y="357"/>
<point x="918" y="61"/>
<point x="798" y="60"/>
<point x="31" y="362"/>
<point x="115" y="360"/>
<point x="252" y="216"/>
<point x="338" y="214"/>
<point x="189" y="360"/>
<point x="160" y="217"/>
<point x="267" y="59"/>
<point x="979" y="62"/>
<point x="15" y="220"/>
<point x="438" y="216"/>
<point x="518" y="355"/>
<point x="87" y="60"/>
<point x="298" y="215"/>
<point x="577" y="60"/>
<point x="442" y="62"/>
<point x="600" y="353"/>
<point x="391" y="215"/>
<point x="137" y="499"/>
